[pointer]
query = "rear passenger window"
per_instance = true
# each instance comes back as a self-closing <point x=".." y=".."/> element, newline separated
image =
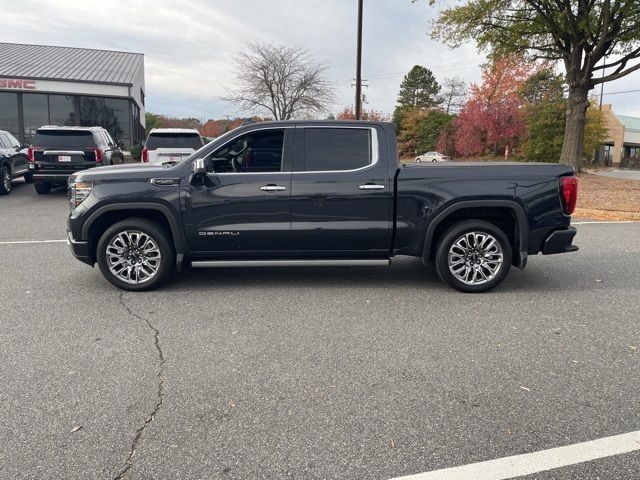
<point x="336" y="149"/>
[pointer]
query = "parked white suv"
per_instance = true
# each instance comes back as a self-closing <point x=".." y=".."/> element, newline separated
<point x="170" y="144"/>
<point x="432" y="157"/>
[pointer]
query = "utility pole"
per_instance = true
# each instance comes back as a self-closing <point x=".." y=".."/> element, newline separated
<point x="359" y="64"/>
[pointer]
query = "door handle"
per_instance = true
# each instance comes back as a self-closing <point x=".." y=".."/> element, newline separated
<point x="371" y="186"/>
<point x="273" y="188"/>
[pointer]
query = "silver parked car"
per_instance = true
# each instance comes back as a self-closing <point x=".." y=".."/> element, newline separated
<point x="432" y="157"/>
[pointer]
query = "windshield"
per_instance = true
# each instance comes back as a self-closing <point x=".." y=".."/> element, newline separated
<point x="174" y="140"/>
<point x="63" y="139"/>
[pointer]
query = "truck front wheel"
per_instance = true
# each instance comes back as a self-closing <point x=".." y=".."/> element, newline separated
<point x="136" y="254"/>
<point x="473" y="256"/>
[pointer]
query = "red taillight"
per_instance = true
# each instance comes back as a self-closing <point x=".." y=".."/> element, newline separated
<point x="569" y="187"/>
<point x="99" y="155"/>
<point x="145" y="155"/>
<point x="30" y="155"/>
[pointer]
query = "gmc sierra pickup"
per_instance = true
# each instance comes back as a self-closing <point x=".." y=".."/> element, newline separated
<point x="317" y="193"/>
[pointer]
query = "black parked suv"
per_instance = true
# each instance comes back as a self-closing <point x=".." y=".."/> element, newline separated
<point x="57" y="152"/>
<point x="13" y="161"/>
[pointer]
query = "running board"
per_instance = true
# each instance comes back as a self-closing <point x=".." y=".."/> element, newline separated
<point x="290" y="263"/>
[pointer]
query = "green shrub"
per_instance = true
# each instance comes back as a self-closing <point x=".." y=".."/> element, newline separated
<point x="136" y="152"/>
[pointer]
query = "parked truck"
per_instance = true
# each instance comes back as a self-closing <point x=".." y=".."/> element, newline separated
<point x="317" y="193"/>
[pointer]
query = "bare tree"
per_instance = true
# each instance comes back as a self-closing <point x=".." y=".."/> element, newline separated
<point x="453" y="94"/>
<point x="283" y="82"/>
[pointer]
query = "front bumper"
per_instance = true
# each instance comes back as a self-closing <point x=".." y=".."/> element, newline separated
<point x="560" y="241"/>
<point x="80" y="250"/>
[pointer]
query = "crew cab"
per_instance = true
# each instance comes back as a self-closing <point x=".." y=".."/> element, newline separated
<point x="317" y="193"/>
<point x="57" y="152"/>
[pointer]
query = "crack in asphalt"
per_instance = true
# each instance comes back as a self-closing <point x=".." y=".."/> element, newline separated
<point x="160" y="392"/>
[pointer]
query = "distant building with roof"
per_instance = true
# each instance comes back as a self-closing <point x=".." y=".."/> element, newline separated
<point x="623" y="137"/>
<point x="47" y="85"/>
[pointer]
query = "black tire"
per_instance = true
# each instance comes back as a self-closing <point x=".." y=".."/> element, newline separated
<point x="43" y="188"/>
<point x="28" y="178"/>
<point x="5" y="179"/>
<point x="157" y="234"/>
<point x="418" y="160"/>
<point x="482" y="228"/>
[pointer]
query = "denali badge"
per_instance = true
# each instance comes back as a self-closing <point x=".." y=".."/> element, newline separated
<point x="217" y="234"/>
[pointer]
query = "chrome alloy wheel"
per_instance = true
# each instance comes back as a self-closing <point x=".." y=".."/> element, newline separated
<point x="475" y="258"/>
<point x="133" y="257"/>
<point x="6" y="179"/>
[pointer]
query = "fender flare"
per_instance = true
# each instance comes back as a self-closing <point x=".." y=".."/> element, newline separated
<point x="522" y="226"/>
<point x="176" y="232"/>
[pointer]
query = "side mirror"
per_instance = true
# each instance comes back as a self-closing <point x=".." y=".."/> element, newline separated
<point x="198" y="166"/>
<point x="198" y="171"/>
<point x="120" y="143"/>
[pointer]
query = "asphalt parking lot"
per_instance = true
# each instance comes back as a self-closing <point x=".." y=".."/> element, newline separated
<point x="348" y="373"/>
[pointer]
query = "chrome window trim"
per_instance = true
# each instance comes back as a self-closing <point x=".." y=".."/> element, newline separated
<point x="373" y="146"/>
<point x="246" y="133"/>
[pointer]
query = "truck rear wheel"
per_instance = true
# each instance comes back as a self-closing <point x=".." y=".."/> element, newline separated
<point x="473" y="256"/>
<point x="136" y="254"/>
<point x="42" y="187"/>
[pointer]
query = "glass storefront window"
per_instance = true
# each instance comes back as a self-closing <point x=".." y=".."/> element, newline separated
<point x="9" y="112"/>
<point x="630" y="151"/>
<point x="35" y="110"/>
<point x="38" y="109"/>
<point x="608" y="154"/>
<point x="91" y="111"/>
<point x="117" y="119"/>
<point x="110" y="113"/>
<point x="61" y="110"/>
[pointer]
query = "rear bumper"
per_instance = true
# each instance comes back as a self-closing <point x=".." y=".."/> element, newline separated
<point x="43" y="172"/>
<point x="51" y="177"/>
<point x="80" y="250"/>
<point x="560" y="241"/>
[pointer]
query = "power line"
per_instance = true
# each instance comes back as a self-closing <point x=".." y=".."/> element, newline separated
<point x="618" y="93"/>
<point x="443" y="67"/>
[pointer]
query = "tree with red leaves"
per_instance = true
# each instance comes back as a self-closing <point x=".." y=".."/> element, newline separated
<point x="493" y="118"/>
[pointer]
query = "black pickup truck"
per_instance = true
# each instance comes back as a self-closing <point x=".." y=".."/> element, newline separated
<point x="316" y="193"/>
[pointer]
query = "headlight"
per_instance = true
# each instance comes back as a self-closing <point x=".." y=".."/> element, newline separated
<point x="78" y="192"/>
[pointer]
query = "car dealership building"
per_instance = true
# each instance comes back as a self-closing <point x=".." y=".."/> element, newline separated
<point x="46" y="85"/>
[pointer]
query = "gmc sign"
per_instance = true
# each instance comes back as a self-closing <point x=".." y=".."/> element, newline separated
<point x="17" y="84"/>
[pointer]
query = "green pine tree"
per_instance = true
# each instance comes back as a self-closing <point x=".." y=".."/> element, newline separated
<point x="419" y="89"/>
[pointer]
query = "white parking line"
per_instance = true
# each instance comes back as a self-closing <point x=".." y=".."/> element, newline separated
<point x="24" y="242"/>
<point x="604" y="221"/>
<point x="528" y="463"/>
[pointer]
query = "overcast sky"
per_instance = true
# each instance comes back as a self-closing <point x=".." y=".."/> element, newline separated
<point x="189" y="45"/>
